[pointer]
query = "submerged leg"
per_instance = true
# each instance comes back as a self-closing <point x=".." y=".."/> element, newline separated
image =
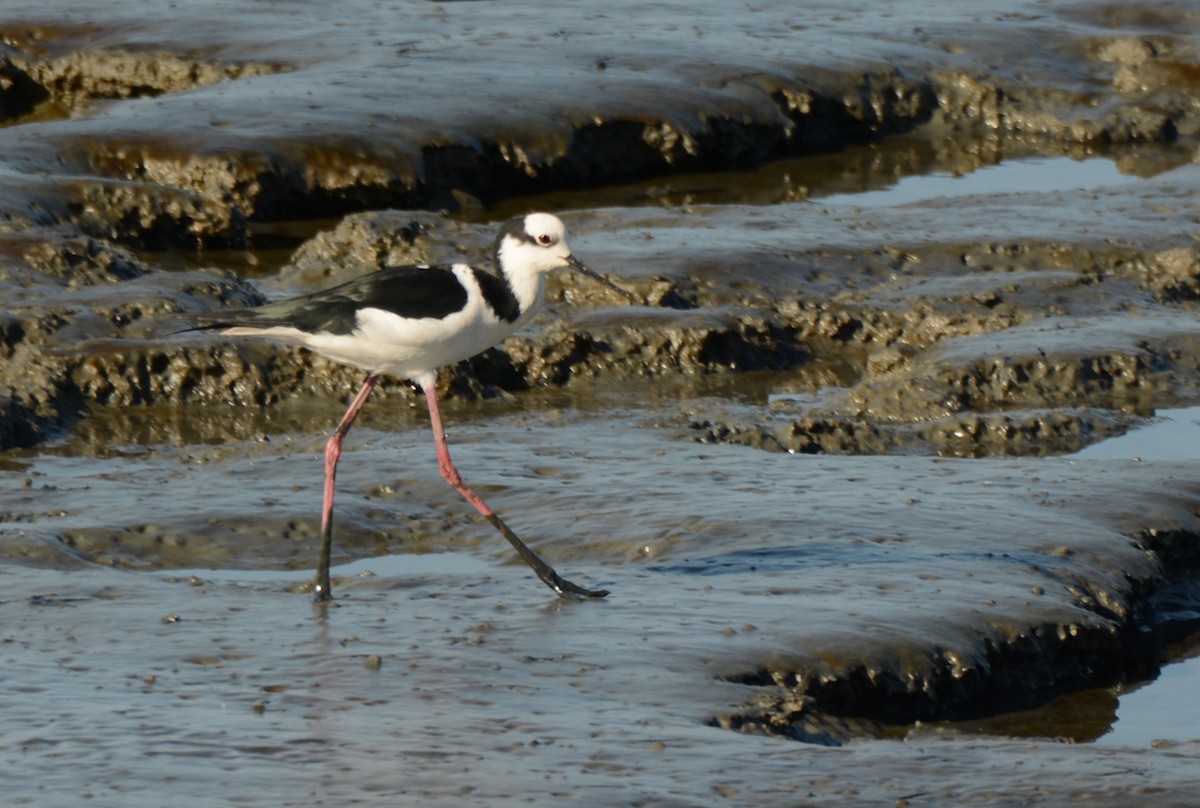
<point x="333" y="450"/>
<point x="450" y="474"/>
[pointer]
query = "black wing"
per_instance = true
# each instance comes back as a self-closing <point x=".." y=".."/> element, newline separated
<point x="409" y="291"/>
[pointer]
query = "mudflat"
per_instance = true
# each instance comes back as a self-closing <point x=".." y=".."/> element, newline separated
<point x="897" y="265"/>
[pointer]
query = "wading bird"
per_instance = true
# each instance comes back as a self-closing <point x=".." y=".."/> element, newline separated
<point x="408" y="321"/>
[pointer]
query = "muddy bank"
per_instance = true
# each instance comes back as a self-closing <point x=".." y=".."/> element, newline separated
<point x="847" y="586"/>
<point x="1027" y="336"/>
<point x="159" y="140"/>
<point x="448" y="105"/>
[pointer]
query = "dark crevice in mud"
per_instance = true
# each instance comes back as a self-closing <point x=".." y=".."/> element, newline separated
<point x="20" y="94"/>
<point x="20" y="424"/>
<point x="621" y="151"/>
<point x="227" y="191"/>
<point x="221" y="194"/>
<point x="36" y="414"/>
<point x="163" y="194"/>
<point x="1007" y="675"/>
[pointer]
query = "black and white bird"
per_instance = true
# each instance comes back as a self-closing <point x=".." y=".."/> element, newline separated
<point x="408" y="321"/>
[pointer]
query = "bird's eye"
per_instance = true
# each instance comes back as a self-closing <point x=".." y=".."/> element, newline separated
<point x="545" y="239"/>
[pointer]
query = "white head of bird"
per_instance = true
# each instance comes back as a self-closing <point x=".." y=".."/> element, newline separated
<point x="535" y="244"/>
<point x="527" y="248"/>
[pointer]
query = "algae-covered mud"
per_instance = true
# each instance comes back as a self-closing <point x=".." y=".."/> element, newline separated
<point x="905" y="274"/>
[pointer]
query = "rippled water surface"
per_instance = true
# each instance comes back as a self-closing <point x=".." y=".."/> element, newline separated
<point x="158" y="642"/>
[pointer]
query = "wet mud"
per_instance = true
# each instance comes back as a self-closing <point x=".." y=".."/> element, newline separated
<point x="825" y="463"/>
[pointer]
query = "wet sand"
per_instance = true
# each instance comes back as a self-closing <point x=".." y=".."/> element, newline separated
<point x="454" y="676"/>
<point x="827" y="466"/>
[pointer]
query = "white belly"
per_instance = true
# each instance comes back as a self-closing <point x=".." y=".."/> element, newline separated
<point x="385" y="343"/>
<point x="411" y="348"/>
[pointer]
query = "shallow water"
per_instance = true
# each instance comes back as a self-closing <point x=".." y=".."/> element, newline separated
<point x="157" y="640"/>
<point x="157" y="619"/>
<point x="446" y="672"/>
<point x="1173" y="434"/>
<point x="1030" y="175"/>
<point x="454" y="675"/>
<point x="1164" y="710"/>
<point x="719" y="559"/>
<point x="1159" y="712"/>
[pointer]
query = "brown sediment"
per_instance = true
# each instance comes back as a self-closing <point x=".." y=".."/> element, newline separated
<point x="875" y="579"/>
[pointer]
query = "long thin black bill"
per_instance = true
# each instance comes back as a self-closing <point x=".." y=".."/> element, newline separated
<point x="583" y="269"/>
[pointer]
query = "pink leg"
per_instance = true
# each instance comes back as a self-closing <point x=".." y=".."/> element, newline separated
<point x="323" y="589"/>
<point x="450" y="474"/>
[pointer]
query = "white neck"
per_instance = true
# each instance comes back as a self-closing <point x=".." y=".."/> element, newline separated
<point x="529" y="288"/>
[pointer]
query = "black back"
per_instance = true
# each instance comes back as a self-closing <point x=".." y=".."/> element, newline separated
<point x="409" y="291"/>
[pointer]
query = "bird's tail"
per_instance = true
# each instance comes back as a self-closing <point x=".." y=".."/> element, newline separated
<point x="245" y="321"/>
